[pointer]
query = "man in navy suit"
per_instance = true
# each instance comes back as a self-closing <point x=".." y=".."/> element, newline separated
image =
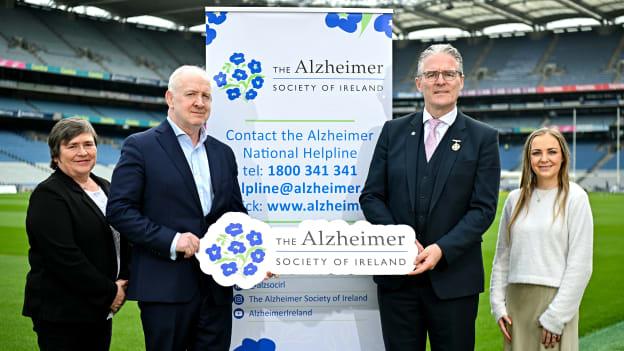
<point x="437" y="171"/>
<point x="170" y="184"/>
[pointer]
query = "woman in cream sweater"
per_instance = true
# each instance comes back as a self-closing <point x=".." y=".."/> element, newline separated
<point x="543" y="258"/>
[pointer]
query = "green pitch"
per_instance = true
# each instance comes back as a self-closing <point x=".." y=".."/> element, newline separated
<point x="602" y="310"/>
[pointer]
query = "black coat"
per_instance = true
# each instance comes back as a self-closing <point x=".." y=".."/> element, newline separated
<point x="73" y="265"/>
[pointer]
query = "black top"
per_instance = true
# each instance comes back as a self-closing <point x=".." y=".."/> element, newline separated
<point x="73" y="263"/>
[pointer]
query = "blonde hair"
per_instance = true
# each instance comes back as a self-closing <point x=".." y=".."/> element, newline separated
<point x="528" y="180"/>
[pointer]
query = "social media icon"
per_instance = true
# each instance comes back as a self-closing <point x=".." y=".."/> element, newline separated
<point x="239" y="299"/>
<point x="238" y="313"/>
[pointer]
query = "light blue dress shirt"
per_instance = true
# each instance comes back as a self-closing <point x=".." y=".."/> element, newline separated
<point x="197" y="159"/>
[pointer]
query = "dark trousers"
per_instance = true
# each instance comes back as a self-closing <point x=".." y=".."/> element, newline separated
<point x="413" y="311"/>
<point x="197" y="325"/>
<point x="62" y="336"/>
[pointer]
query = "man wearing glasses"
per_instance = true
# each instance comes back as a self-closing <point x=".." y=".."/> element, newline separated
<point x="437" y="171"/>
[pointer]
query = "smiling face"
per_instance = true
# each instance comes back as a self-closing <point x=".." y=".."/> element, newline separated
<point x="77" y="157"/>
<point x="440" y="95"/>
<point x="546" y="159"/>
<point x="189" y="102"/>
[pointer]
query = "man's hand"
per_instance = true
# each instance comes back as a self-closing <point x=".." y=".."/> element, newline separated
<point x="120" y="298"/>
<point x="427" y="259"/>
<point x="188" y="243"/>
<point x="504" y="323"/>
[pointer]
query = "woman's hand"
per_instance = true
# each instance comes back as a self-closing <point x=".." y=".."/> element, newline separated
<point x="504" y="323"/>
<point x="549" y="339"/>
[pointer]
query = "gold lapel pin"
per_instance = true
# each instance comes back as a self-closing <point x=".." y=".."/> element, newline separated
<point x="456" y="146"/>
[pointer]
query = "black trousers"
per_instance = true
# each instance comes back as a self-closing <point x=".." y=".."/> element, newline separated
<point x="412" y="312"/>
<point x="198" y="325"/>
<point x="62" y="336"/>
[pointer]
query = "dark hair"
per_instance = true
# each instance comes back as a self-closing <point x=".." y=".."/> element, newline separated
<point x="64" y="131"/>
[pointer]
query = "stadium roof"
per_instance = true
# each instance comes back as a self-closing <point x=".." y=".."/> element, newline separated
<point x="410" y="15"/>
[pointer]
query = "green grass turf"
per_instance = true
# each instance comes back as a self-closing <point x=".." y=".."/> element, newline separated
<point x="601" y="310"/>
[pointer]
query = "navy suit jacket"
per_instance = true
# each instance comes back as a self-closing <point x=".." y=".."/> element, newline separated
<point x="153" y="196"/>
<point x="463" y="201"/>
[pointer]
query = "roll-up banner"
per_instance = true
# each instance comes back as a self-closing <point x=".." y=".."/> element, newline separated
<point x="300" y="95"/>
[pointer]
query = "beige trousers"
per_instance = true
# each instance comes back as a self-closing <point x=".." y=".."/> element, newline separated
<point x="525" y="304"/>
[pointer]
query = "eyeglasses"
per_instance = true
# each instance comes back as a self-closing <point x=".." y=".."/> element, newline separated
<point x="448" y="76"/>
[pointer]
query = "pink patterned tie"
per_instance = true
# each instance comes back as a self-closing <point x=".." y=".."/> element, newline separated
<point x="432" y="140"/>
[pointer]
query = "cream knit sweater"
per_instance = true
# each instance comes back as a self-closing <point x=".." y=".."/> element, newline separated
<point x="545" y="252"/>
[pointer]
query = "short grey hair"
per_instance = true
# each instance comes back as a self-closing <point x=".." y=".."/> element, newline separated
<point x="175" y="76"/>
<point x="437" y="49"/>
<point x="64" y="131"/>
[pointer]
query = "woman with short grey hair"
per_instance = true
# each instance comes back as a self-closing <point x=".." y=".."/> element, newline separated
<point x="78" y="263"/>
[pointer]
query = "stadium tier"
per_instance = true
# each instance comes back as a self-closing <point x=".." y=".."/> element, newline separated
<point x="60" y="39"/>
<point x="71" y="109"/>
<point x="526" y="60"/>
<point x="114" y="74"/>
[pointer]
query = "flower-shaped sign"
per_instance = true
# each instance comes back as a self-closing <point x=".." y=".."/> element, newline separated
<point x="233" y="250"/>
<point x="240" y="250"/>
<point x="240" y="78"/>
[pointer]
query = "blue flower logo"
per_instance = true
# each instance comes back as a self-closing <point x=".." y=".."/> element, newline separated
<point x="257" y="82"/>
<point x="254" y="66"/>
<point x="240" y="78"/>
<point x="254" y="237"/>
<point x="216" y="18"/>
<point x="237" y="58"/>
<point x="214" y="252"/>
<point x="346" y="21"/>
<point x="211" y="34"/>
<point x="233" y="93"/>
<point x="250" y="269"/>
<point x="251" y="94"/>
<point x="234" y="229"/>
<point x="220" y="79"/>
<point x="239" y="74"/>
<point x="237" y="251"/>
<point x="253" y="345"/>
<point x="349" y="22"/>
<point x="229" y="268"/>
<point x="257" y="256"/>
<point x="383" y="23"/>
<point x="237" y="247"/>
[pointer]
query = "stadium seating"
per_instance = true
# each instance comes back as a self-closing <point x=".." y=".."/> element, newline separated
<point x="582" y="58"/>
<point x="61" y="39"/>
<point x="612" y="163"/>
<point x="511" y="62"/>
<point x="20" y="173"/>
<point x="511" y="156"/>
<point x="23" y="149"/>
<point x="66" y="109"/>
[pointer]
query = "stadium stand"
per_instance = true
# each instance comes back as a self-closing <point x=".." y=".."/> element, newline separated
<point x="61" y="39"/>
<point x="114" y="74"/>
